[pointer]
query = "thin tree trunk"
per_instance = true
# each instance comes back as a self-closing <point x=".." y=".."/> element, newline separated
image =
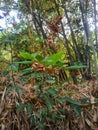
<point x="96" y="40"/>
<point x="86" y="33"/>
<point x="72" y="35"/>
<point x="95" y="23"/>
<point x="66" y="45"/>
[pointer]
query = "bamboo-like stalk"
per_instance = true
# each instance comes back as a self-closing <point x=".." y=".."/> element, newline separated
<point x="86" y="33"/>
<point x="96" y="40"/>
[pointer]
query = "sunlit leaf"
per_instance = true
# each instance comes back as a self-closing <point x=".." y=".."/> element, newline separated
<point x="34" y="55"/>
<point x="51" y="60"/>
<point x="39" y="58"/>
<point x="26" y="55"/>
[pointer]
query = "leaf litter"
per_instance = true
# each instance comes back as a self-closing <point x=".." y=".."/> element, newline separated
<point x="51" y="107"/>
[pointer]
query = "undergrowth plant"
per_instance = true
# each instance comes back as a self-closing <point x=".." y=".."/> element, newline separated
<point x="43" y="77"/>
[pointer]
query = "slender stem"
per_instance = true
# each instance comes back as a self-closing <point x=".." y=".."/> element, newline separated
<point x="95" y="23"/>
<point x="96" y="40"/>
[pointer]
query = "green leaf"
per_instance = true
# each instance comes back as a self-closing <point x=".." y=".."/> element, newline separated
<point x="34" y="55"/>
<point x="52" y="92"/>
<point x="49" y="101"/>
<point x="96" y="100"/>
<point x="26" y="55"/>
<point x="53" y="117"/>
<point x="72" y="101"/>
<point x="41" y="125"/>
<point x="60" y="100"/>
<point x="39" y="58"/>
<point x="40" y="40"/>
<point x="38" y="74"/>
<point x="26" y="71"/>
<point x="20" y="107"/>
<point x="29" y="108"/>
<point x="78" y="110"/>
<point x="51" y="60"/>
<point x="43" y="114"/>
<point x="11" y="88"/>
<point x="33" y="121"/>
<point x="7" y="41"/>
<point x="50" y="81"/>
<point x="75" y="67"/>
<point x="60" y="63"/>
<point x="60" y="116"/>
<point x="84" y="100"/>
<point x="5" y="72"/>
<point x="48" y="62"/>
<point x="17" y="89"/>
<point x="24" y="62"/>
<point x="56" y="56"/>
<point x="14" y="67"/>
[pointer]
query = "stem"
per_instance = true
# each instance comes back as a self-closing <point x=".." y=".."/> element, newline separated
<point x="12" y="72"/>
<point x="96" y="40"/>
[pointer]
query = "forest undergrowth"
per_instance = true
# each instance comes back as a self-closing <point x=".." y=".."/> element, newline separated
<point x="66" y="106"/>
<point x="48" y="65"/>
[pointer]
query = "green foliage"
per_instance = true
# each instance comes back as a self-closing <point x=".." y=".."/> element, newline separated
<point x="53" y="59"/>
<point x="27" y="56"/>
<point x="78" y="110"/>
<point x="17" y="89"/>
<point x="27" y="44"/>
<point x="50" y="79"/>
<point x="75" y="105"/>
<point x="29" y="108"/>
<point x="24" y="62"/>
<point x="20" y="107"/>
<point x="14" y="67"/>
<point x="43" y="78"/>
<point x="96" y="100"/>
<point x="76" y="66"/>
<point x="41" y="125"/>
<point x="26" y="71"/>
<point x="33" y="121"/>
<point x="52" y="92"/>
<point x="84" y="100"/>
<point x="72" y="101"/>
<point x="60" y="99"/>
<point x="5" y="73"/>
